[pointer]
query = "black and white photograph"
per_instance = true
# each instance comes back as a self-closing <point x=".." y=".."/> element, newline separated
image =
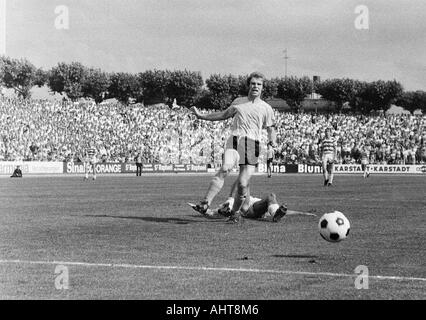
<point x="213" y="155"/>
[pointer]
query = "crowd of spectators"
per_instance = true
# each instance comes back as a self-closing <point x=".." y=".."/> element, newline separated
<point x="41" y="130"/>
<point x="389" y="139"/>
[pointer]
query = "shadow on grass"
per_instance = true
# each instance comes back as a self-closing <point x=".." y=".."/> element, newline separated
<point x="151" y="219"/>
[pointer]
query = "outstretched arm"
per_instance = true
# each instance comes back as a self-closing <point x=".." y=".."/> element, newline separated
<point x="215" y="116"/>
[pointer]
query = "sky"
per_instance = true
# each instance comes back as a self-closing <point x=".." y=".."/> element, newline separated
<point x="225" y="37"/>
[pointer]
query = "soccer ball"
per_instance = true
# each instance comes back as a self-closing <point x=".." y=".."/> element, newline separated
<point x="334" y="226"/>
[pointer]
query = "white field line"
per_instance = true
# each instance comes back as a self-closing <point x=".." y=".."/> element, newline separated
<point x="200" y="268"/>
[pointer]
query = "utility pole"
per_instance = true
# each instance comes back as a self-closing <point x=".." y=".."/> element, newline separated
<point x="286" y="57"/>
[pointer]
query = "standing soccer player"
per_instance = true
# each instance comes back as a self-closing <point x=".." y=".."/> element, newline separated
<point x="138" y="160"/>
<point x="329" y="156"/>
<point x="365" y="154"/>
<point x="90" y="161"/>
<point x="270" y="155"/>
<point x="250" y="115"/>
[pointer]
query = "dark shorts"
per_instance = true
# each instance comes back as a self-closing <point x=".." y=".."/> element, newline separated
<point x="248" y="149"/>
<point x="269" y="162"/>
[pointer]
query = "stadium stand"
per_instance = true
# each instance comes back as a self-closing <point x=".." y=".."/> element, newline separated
<point x="39" y="130"/>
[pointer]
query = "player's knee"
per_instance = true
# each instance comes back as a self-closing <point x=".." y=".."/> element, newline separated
<point x="223" y="173"/>
<point x="218" y="180"/>
<point x="243" y="183"/>
<point x="225" y="169"/>
<point x="242" y="188"/>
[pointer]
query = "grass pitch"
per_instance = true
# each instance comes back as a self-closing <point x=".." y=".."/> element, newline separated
<point x="126" y="237"/>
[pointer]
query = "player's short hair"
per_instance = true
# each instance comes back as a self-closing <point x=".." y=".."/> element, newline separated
<point x="255" y="74"/>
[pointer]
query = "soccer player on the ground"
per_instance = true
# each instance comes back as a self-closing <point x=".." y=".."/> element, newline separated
<point x="266" y="208"/>
<point x="270" y="155"/>
<point x="90" y="161"/>
<point x="329" y="157"/>
<point x="250" y="115"/>
<point x="364" y="161"/>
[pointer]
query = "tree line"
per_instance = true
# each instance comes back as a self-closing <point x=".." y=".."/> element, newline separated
<point x="188" y="87"/>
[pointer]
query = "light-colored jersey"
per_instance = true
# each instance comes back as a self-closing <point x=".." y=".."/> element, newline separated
<point x="251" y="117"/>
<point x="329" y="145"/>
<point x="270" y="153"/>
<point x="91" y="155"/>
